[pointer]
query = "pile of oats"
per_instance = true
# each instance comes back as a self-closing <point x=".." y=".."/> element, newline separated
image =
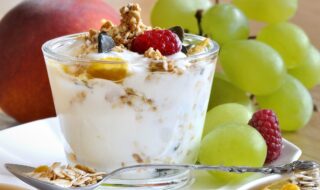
<point x="66" y="175"/>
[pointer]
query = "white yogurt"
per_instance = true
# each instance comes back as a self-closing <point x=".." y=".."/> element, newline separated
<point x="106" y="127"/>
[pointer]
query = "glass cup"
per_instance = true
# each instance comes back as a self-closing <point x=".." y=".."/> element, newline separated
<point x="131" y="114"/>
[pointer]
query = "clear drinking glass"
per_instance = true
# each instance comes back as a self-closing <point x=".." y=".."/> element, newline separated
<point x="145" y="117"/>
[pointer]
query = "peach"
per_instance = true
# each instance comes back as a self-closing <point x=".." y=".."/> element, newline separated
<point x="25" y="92"/>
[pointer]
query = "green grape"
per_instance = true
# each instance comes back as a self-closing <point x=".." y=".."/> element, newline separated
<point x="309" y="72"/>
<point x="292" y="103"/>
<point x="225" y="92"/>
<point x="226" y="113"/>
<point x="288" y="39"/>
<point x="233" y="145"/>
<point x="270" y="11"/>
<point x="224" y="23"/>
<point x="168" y="13"/>
<point x="252" y="66"/>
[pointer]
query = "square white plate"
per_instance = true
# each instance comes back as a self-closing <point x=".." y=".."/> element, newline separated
<point x="38" y="143"/>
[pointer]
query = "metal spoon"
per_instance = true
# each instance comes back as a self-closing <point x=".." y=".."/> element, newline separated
<point x="20" y="172"/>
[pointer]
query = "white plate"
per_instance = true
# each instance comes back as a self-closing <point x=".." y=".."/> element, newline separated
<point x="38" y="143"/>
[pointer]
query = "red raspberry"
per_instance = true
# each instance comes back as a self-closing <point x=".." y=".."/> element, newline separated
<point x="166" y="41"/>
<point x="266" y="122"/>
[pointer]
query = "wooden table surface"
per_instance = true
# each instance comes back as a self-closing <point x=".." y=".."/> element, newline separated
<point x="308" y="138"/>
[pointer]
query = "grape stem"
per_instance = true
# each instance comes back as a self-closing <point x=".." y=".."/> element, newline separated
<point x="252" y="37"/>
<point x="315" y="108"/>
<point x="198" y="16"/>
<point x="217" y="1"/>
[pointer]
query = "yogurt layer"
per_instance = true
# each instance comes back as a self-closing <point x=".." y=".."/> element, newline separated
<point x="149" y="117"/>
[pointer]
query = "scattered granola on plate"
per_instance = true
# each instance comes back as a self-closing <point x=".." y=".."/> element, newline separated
<point x="66" y="175"/>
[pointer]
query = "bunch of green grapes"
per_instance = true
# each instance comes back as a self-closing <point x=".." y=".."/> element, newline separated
<point x="257" y="67"/>
<point x="277" y="67"/>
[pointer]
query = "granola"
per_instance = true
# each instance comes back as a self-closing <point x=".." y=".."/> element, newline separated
<point x="154" y="54"/>
<point x="130" y="27"/>
<point x="67" y="175"/>
<point x="199" y="47"/>
<point x="137" y="158"/>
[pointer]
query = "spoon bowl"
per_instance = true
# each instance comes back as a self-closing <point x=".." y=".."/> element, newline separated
<point x="20" y="171"/>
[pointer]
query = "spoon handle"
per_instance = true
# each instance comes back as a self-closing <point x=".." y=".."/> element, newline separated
<point x="282" y="169"/>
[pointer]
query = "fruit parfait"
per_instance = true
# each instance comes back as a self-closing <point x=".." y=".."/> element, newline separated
<point x="131" y="94"/>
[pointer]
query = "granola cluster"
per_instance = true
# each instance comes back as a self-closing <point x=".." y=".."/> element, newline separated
<point x="130" y="26"/>
<point x="162" y="66"/>
<point x="199" y="47"/>
<point x="154" y="54"/>
<point x="67" y="176"/>
<point x="90" y="42"/>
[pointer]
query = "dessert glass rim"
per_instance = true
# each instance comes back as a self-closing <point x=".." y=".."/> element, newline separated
<point x="48" y="46"/>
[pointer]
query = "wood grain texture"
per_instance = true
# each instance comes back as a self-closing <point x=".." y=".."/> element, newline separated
<point x="307" y="17"/>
